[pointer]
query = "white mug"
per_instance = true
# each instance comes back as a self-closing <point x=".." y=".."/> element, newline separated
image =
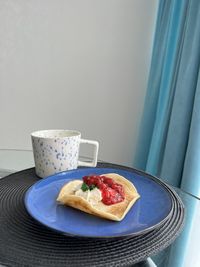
<point x="58" y="150"/>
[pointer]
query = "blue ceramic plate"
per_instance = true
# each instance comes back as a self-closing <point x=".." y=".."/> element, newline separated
<point x="149" y="212"/>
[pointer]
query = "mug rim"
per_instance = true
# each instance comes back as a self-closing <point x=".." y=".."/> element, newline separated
<point x="73" y="133"/>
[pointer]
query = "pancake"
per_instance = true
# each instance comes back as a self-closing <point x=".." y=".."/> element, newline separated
<point x="114" y="212"/>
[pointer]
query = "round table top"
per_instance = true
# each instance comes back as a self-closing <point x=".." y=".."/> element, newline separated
<point x="13" y="160"/>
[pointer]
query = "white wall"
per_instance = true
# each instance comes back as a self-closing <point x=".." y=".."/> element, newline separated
<point x="75" y="64"/>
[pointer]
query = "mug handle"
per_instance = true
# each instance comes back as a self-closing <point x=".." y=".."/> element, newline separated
<point x="93" y="163"/>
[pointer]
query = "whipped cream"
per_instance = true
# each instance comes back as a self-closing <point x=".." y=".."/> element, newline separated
<point x="93" y="196"/>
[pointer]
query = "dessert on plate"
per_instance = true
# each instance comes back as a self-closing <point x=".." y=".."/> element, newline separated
<point x="109" y="196"/>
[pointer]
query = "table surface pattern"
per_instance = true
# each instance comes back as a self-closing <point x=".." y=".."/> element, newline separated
<point x="16" y="160"/>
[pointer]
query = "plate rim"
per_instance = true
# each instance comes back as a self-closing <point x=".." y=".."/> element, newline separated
<point x="164" y="185"/>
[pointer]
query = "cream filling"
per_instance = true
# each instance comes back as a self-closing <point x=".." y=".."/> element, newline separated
<point x="93" y="196"/>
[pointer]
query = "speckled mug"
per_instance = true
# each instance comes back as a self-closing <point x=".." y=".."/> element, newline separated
<point x="58" y="150"/>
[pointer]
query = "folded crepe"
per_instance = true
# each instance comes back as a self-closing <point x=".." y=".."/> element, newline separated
<point x="114" y="212"/>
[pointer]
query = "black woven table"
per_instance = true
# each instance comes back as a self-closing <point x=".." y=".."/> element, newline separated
<point x="25" y="242"/>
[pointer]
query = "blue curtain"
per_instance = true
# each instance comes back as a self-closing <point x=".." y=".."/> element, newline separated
<point x="169" y="139"/>
<point x="170" y="128"/>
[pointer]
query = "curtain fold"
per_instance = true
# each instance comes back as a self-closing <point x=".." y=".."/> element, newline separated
<point x="181" y="128"/>
<point x="191" y="171"/>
